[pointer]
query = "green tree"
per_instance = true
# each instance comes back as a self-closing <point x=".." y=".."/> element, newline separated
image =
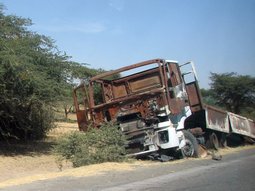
<point x="34" y="76"/>
<point x="208" y="97"/>
<point x="235" y="92"/>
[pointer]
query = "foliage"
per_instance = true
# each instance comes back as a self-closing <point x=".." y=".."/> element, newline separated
<point x="25" y="67"/>
<point x="34" y="76"/>
<point x="26" y="121"/>
<point x="235" y="92"/>
<point x="94" y="146"/>
<point x="208" y="97"/>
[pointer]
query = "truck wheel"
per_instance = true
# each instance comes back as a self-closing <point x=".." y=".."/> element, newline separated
<point x="191" y="147"/>
<point x="223" y="140"/>
<point x="214" y="141"/>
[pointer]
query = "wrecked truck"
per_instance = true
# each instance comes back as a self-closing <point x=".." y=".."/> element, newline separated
<point x="157" y="105"/>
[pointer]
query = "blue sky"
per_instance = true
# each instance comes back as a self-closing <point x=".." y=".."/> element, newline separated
<point x="218" y="35"/>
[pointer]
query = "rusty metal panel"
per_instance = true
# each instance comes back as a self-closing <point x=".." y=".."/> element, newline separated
<point x="105" y="74"/>
<point x="175" y="74"/>
<point x="194" y="97"/>
<point x="177" y="105"/>
<point x="82" y="120"/>
<point x="241" y="125"/>
<point x="252" y="127"/>
<point x="216" y="119"/>
<point x="81" y="103"/>
<point x="108" y="93"/>
<point x="119" y="90"/>
<point x="144" y="83"/>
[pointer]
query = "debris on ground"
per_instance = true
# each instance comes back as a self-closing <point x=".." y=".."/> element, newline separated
<point x="215" y="155"/>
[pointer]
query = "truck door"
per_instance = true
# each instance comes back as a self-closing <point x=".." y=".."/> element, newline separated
<point x="194" y="96"/>
<point x="192" y="88"/>
<point x="81" y="103"/>
<point x="175" y="88"/>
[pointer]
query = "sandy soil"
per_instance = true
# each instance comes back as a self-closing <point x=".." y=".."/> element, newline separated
<point x="37" y="160"/>
<point x="30" y="162"/>
<point x="31" y="159"/>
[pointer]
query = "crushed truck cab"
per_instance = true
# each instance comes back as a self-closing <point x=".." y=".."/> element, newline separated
<point x="147" y="100"/>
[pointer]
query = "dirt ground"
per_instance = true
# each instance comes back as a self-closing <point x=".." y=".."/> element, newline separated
<point x="29" y="162"/>
<point x="31" y="159"/>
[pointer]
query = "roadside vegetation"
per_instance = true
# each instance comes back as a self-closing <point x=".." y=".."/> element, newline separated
<point x="106" y="144"/>
<point x="36" y="79"/>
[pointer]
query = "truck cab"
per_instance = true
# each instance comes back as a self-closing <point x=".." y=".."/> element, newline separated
<point x="149" y="101"/>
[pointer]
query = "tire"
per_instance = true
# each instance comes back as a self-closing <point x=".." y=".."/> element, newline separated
<point x="214" y="141"/>
<point x="191" y="149"/>
<point x="223" y="140"/>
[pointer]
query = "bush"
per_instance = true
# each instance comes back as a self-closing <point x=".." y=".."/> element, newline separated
<point x="24" y="120"/>
<point x="94" y="146"/>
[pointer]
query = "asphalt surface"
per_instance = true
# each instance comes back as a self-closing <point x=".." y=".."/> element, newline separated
<point x="234" y="172"/>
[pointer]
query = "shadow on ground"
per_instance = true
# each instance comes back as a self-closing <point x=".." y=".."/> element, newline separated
<point x="31" y="148"/>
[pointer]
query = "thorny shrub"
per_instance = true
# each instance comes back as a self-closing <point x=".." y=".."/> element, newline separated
<point x="106" y="144"/>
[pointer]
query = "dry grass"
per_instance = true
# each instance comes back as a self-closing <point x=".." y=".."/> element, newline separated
<point x="20" y="164"/>
<point x="25" y="171"/>
<point x="229" y="150"/>
<point x="61" y="129"/>
<point x="91" y="170"/>
<point x="27" y="159"/>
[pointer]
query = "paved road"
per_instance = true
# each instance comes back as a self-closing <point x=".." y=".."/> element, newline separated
<point x="234" y="172"/>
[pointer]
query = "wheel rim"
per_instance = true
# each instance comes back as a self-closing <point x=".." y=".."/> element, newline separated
<point x="188" y="150"/>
